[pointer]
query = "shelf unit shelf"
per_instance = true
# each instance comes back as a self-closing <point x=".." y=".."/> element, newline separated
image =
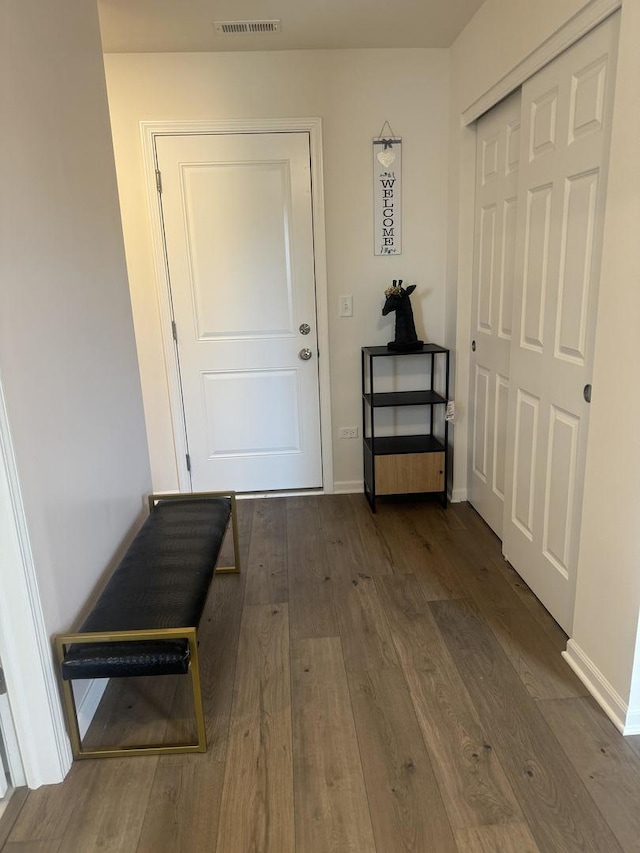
<point x="405" y="398"/>
<point x="400" y="464"/>
<point x="384" y="445"/>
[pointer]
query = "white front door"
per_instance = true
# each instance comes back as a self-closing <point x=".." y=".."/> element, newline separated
<point x="566" y="114"/>
<point x="497" y="160"/>
<point x="238" y="228"/>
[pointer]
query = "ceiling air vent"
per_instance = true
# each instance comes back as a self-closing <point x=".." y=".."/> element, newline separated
<point x="239" y="27"/>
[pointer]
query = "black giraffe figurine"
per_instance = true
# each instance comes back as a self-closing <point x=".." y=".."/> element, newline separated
<point x="398" y="300"/>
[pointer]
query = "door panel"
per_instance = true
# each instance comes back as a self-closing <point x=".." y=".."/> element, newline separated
<point x="224" y="240"/>
<point x="498" y="154"/>
<point x="238" y="231"/>
<point x="500" y="434"/>
<point x="507" y="267"/>
<point x="536" y="267"/>
<point x="560" y="475"/>
<point x="566" y="112"/>
<point x="577" y="249"/>
<point x="525" y="451"/>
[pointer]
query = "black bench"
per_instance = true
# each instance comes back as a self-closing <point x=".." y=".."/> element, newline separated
<point x="145" y="620"/>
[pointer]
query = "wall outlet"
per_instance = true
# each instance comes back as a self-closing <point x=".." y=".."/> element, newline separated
<point x="348" y="432"/>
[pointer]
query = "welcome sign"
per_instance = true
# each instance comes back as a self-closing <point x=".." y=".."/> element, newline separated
<point x="387" y="195"/>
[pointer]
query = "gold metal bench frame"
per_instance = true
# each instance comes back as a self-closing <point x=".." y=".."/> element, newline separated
<point x="62" y="641"/>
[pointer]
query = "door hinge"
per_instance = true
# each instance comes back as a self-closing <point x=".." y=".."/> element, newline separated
<point x="159" y="181"/>
<point x="188" y="463"/>
<point x="174" y="331"/>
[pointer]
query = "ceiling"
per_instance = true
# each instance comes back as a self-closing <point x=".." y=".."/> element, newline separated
<point x="143" y="26"/>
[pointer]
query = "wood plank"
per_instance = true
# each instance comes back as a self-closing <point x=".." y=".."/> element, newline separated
<point x="266" y="568"/>
<point x="244" y="509"/>
<point x="605" y="762"/>
<point x="404" y="598"/>
<point x="218" y="634"/>
<point x="311" y="613"/>
<point x="331" y="807"/>
<point x="510" y="838"/>
<point x="557" y="806"/>
<point x="406" y="807"/>
<point x="472" y="781"/>
<point x="367" y="643"/>
<point x="376" y="555"/>
<point x="413" y="553"/>
<point x="11" y="812"/>
<point x="184" y="804"/>
<point x="532" y="652"/>
<point x="114" y="812"/>
<point x="348" y="550"/>
<point x="47" y="846"/>
<point x="492" y="546"/>
<point x="183" y="808"/>
<point x="47" y="810"/>
<point x="431" y="517"/>
<point x="138" y="711"/>
<point x="257" y="798"/>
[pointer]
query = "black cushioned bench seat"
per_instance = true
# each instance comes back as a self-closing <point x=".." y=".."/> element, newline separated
<point x="158" y="589"/>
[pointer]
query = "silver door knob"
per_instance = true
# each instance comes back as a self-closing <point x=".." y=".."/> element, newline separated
<point x="305" y="328"/>
<point x="305" y="354"/>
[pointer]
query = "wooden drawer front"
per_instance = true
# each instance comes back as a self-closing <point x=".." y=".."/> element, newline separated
<point x="409" y="472"/>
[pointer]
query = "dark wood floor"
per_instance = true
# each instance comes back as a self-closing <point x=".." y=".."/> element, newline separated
<point x="371" y="683"/>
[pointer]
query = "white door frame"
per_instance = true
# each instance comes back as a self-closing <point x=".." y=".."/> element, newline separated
<point x="150" y="130"/>
<point x="25" y="648"/>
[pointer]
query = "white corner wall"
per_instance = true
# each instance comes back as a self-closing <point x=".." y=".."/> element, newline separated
<point x="67" y="352"/>
<point x="500" y="36"/>
<point x="605" y="639"/>
<point x="353" y="92"/>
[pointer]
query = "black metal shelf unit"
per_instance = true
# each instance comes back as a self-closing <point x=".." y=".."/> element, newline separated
<point x="406" y="464"/>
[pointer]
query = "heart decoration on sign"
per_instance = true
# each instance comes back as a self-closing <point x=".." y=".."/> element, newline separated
<point x="386" y="157"/>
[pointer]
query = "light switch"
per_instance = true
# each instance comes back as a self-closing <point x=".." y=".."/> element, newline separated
<point x="346" y="306"/>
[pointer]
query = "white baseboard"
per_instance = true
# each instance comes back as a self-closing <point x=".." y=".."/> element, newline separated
<point x="89" y="704"/>
<point x="602" y="691"/>
<point x="632" y="726"/>
<point x="458" y="496"/>
<point x="348" y="487"/>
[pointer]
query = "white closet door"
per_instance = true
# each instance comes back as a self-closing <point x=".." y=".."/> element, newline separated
<point x="497" y="161"/>
<point x="566" y="116"/>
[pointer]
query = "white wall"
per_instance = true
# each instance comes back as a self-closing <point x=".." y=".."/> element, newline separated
<point x="353" y="91"/>
<point x="67" y="353"/>
<point x="503" y="34"/>
<point x="500" y="35"/>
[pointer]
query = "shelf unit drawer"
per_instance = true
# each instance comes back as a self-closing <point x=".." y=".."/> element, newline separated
<point x="407" y="473"/>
